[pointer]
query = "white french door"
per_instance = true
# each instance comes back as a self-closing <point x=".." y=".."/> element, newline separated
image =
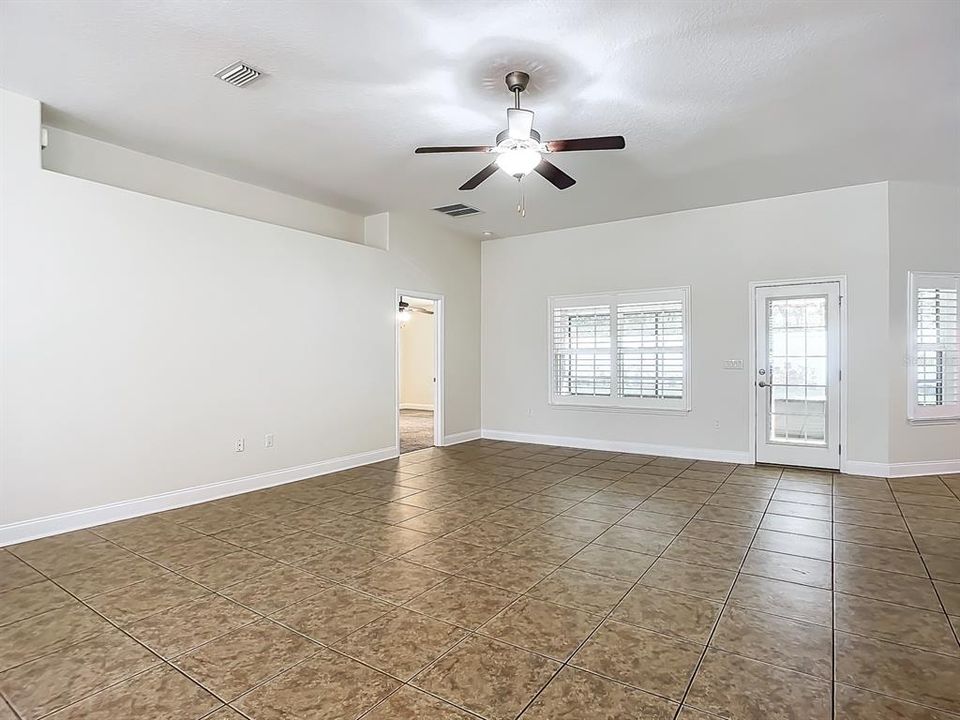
<point x="798" y="374"/>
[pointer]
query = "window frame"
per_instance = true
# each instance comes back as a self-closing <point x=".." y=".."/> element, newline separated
<point x="615" y="402"/>
<point x="917" y="413"/>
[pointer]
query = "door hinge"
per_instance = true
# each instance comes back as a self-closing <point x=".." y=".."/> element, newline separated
<point x="839" y="449"/>
<point x="841" y="375"/>
<point x="841" y="300"/>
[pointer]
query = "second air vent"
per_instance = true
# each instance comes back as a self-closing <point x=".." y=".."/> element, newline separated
<point x="457" y="210"/>
<point x="239" y="74"/>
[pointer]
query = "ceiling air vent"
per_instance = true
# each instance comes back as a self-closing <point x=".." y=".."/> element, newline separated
<point x="239" y="74"/>
<point x="457" y="210"/>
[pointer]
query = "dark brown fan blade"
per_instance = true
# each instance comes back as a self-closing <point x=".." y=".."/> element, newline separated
<point x="610" y="142"/>
<point x="554" y="174"/>
<point x="454" y="149"/>
<point x="480" y="176"/>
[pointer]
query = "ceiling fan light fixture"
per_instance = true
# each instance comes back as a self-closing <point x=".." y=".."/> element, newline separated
<point x="518" y="161"/>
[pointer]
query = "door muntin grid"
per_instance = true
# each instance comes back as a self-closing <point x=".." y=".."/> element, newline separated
<point x="797" y="367"/>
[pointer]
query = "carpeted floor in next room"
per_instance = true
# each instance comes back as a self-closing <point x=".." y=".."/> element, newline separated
<point x="416" y="430"/>
<point x="496" y="580"/>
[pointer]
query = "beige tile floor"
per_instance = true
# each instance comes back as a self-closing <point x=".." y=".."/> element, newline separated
<point x="500" y="580"/>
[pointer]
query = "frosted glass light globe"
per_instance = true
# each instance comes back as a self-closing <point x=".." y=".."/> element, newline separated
<point x="518" y="161"/>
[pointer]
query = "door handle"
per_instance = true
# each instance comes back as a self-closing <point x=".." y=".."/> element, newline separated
<point x="764" y="383"/>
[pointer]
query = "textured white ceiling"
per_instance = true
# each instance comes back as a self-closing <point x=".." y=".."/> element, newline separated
<point x="719" y="101"/>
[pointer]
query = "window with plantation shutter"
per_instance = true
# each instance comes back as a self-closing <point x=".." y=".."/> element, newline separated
<point x="934" y="388"/>
<point x="622" y="350"/>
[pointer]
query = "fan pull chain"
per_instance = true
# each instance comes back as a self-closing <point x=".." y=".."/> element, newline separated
<point x="522" y="202"/>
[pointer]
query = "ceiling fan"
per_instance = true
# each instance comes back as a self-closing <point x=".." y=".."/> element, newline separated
<point x="405" y="309"/>
<point x="519" y="149"/>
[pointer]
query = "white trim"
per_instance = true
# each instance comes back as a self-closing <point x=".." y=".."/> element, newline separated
<point x="415" y="406"/>
<point x="730" y="456"/>
<point x="897" y="470"/>
<point x="89" y="517"/>
<point x="462" y="437"/>
<point x="438" y="371"/>
<point x="752" y="356"/>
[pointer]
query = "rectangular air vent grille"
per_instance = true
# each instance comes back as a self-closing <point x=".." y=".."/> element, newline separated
<point x="457" y="210"/>
<point x="239" y="74"/>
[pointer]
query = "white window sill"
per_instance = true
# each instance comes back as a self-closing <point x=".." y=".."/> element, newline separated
<point x="620" y="409"/>
<point x="934" y="421"/>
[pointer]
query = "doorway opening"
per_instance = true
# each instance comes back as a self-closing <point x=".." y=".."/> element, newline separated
<point x="418" y="357"/>
<point x="797" y="394"/>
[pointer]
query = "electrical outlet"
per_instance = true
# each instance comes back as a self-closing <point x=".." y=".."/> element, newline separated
<point x="238" y="447"/>
<point x="268" y="440"/>
<point x="716" y="424"/>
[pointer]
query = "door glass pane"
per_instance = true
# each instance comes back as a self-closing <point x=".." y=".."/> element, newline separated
<point x="797" y="367"/>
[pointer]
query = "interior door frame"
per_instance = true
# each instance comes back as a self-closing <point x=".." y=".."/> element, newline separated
<point x="752" y="372"/>
<point x="438" y="303"/>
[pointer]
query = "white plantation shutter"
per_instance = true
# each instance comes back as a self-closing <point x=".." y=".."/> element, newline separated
<point x="581" y="350"/>
<point x="628" y="350"/>
<point x="934" y="346"/>
<point x="650" y="349"/>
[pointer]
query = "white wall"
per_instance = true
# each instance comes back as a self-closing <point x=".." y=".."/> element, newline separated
<point x="141" y="337"/>
<point x="451" y="269"/>
<point x="924" y="236"/>
<point x="416" y="362"/>
<point x="718" y="252"/>
<point x="85" y="157"/>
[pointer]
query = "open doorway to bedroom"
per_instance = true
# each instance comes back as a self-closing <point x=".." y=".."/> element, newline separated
<point x="418" y="362"/>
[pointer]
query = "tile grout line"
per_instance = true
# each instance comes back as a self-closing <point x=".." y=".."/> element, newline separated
<point x="262" y="617"/>
<point x="896" y="502"/>
<point x="163" y="660"/>
<point x="473" y="632"/>
<point x="566" y="662"/>
<point x="706" y="645"/>
<point x="930" y="577"/>
<point x="504" y="480"/>
<point x="833" y="602"/>
<point x="216" y="592"/>
<point x="562" y="665"/>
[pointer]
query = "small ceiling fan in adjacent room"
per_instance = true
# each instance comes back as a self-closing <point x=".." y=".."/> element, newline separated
<point x="519" y="150"/>
<point x="405" y="310"/>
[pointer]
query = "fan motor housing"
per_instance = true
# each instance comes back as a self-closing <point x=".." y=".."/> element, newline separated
<point x="501" y="136"/>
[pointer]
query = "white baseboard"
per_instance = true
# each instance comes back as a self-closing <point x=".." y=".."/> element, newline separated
<point x="89" y="517"/>
<point x="730" y="456"/>
<point x="416" y="406"/>
<point x="898" y="470"/>
<point x="462" y="437"/>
